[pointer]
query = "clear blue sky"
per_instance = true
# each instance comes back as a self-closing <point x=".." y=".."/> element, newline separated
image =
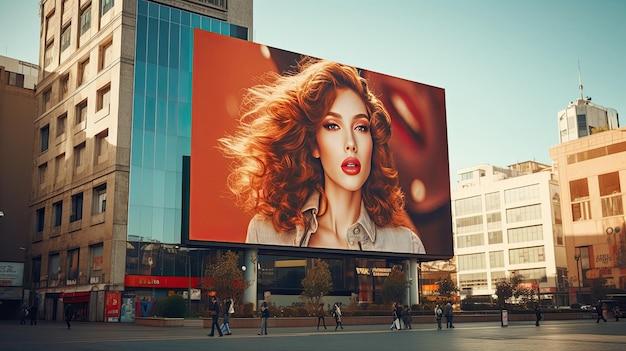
<point x="507" y="67"/>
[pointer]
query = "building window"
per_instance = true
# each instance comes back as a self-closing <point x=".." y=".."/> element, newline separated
<point x="527" y="255"/>
<point x="72" y="266"/>
<point x="76" y="213"/>
<point x="523" y="214"/>
<point x="40" y="215"/>
<point x="79" y="155"/>
<point x="57" y="209"/>
<point x="59" y="167"/>
<point x="106" y="54"/>
<point x="83" y="72"/>
<point x="102" y="144"/>
<point x="44" y="137"/>
<point x="54" y="269"/>
<point x="610" y="194"/>
<point x="492" y="201"/>
<point x="496" y="259"/>
<point x="581" y="205"/>
<point x="16" y="79"/>
<point x="43" y="170"/>
<point x="47" y="99"/>
<point x="81" y="112"/>
<point x="48" y="54"/>
<point x="100" y="199"/>
<point x="105" y="6"/>
<point x="525" y="234"/>
<point x="471" y="205"/>
<point x="469" y="224"/>
<point x="526" y="193"/>
<point x="66" y="36"/>
<point x="104" y="96"/>
<point x="471" y="240"/>
<point x="471" y="262"/>
<point x="495" y="237"/>
<point x="85" y="19"/>
<point x="64" y="85"/>
<point x="61" y="122"/>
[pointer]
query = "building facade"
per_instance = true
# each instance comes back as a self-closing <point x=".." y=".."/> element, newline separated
<point x="17" y="113"/>
<point x="592" y="174"/>
<point x="582" y="118"/>
<point x="113" y="128"/>
<point x="507" y="221"/>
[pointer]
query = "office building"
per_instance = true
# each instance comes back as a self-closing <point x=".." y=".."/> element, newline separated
<point x="508" y="221"/>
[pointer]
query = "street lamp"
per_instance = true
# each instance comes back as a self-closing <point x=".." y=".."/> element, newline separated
<point x="24" y="272"/>
<point x="577" y="258"/>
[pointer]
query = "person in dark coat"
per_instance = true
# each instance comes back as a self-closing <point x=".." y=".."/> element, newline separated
<point x="215" y="313"/>
<point x="538" y="316"/>
<point x="599" y="312"/>
<point x="32" y="313"/>
<point x="69" y="313"/>
<point x="321" y="313"/>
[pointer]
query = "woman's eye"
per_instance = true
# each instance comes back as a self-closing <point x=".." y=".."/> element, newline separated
<point x="331" y="126"/>
<point x="363" y="128"/>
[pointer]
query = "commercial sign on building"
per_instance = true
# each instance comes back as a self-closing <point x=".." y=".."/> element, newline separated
<point x="11" y="273"/>
<point x="401" y="136"/>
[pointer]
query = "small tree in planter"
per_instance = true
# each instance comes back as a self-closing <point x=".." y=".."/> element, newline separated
<point x="225" y="278"/>
<point x="395" y="286"/>
<point x="317" y="283"/>
<point x="170" y="307"/>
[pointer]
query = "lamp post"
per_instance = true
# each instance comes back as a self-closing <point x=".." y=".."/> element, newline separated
<point x="577" y="258"/>
<point x="24" y="273"/>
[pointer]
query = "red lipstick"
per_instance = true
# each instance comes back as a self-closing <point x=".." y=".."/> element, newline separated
<point x="351" y="166"/>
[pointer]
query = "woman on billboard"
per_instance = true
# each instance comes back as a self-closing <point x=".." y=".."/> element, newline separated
<point x="312" y="161"/>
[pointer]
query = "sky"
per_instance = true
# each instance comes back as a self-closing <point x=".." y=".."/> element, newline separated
<point x="507" y="67"/>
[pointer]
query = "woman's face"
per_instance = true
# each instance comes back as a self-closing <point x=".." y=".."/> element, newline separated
<point x="344" y="142"/>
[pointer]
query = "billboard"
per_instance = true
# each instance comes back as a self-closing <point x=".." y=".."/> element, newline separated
<point x="293" y="151"/>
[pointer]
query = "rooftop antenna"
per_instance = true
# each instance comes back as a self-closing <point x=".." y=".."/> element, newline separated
<point x="580" y="82"/>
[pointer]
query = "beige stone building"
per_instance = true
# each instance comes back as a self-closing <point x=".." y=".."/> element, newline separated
<point x="592" y="176"/>
<point x="99" y="59"/>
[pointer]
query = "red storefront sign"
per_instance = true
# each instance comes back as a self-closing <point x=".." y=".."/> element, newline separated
<point x="112" y="306"/>
<point x="151" y="281"/>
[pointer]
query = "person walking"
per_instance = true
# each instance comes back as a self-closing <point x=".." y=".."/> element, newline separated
<point x="538" y="315"/>
<point x="337" y="314"/>
<point x="599" y="311"/>
<point x="228" y="311"/>
<point x="32" y="313"/>
<point x="398" y="315"/>
<point x="24" y="314"/>
<point x="406" y="317"/>
<point x="265" y="314"/>
<point x="215" y="313"/>
<point x="394" y="324"/>
<point x="320" y="316"/>
<point x="69" y="313"/>
<point x="438" y="315"/>
<point x="616" y="312"/>
<point x="447" y="311"/>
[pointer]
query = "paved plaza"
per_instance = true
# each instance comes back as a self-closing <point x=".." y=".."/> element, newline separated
<point x="574" y="335"/>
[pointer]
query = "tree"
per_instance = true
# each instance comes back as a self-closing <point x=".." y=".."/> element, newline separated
<point x="225" y="278"/>
<point x="447" y="287"/>
<point x="504" y="291"/>
<point x="316" y="284"/>
<point x="395" y="286"/>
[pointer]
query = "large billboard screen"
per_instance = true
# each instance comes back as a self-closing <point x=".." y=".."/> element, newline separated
<point x="292" y="151"/>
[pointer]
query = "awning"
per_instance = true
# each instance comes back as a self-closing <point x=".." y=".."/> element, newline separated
<point x="75" y="297"/>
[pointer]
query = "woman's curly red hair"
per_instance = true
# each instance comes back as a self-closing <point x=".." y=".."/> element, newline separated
<point x="274" y="171"/>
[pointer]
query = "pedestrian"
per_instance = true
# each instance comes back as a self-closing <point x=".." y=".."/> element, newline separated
<point x="228" y="311"/>
<point x="399" y="315"/>
<point x="538" y="315"/>
<point x="406" y="317"/>
<point x="320" y="316"/>
<point x="69" y="313"/>
<point x="265" y="314"/>
<point x="24" y="314"/>
<point x="438" y="315"/>
<point x="599" y="311"/>
<point x="447" y="311"/>
<point x="32" y="312"/>
<point x="394" y="324"/>
<point x="214" y="310"/>
<point x="616" y="312"/>
<point x="337" y="314"/>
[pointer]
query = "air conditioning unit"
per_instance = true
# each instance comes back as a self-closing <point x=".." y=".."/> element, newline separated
<point x="94" y="280"/>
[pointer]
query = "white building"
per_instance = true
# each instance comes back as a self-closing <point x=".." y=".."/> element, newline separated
<point x="508" y="220"/>
<point x="582" y="118"/>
